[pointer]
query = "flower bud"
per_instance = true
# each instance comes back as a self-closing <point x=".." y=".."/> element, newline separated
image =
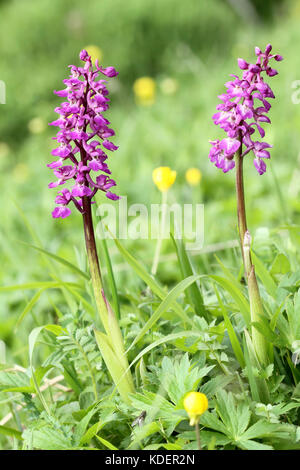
<point x="163" y="177"/>
<point x="193" y="176"/>
<point x="243" y="65"/>
<point x="195" y="404"/>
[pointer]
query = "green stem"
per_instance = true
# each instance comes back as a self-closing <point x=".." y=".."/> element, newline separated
<point x="198" y="435"/>
<point x="94" y="262"/>
<point x="161" y="233"/>
<point x="241" y="210"/>
<point x="107" y="315"/>
<point x="256" y="307"/>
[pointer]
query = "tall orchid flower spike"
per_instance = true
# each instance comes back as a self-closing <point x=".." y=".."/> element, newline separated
<point x="83" y="139"/>
<point x="244" y="108"/>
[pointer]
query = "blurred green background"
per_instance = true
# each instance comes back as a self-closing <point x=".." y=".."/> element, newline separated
<point x="188" y="49"/>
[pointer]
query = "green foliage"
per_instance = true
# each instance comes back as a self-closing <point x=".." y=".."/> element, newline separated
<point x="187" y="328"/>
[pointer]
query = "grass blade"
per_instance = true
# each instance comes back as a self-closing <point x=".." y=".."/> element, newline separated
<point x="193" y="292"/>
<point x="59" y="259"/>
<point x="236" y="294"/>
<point x="231" y="333"/>
<point x="154" y="286"/>
<point x="165" y="305"/>
<point x="39" y="285"/>
<point x="111" y="278"/>
<point x="264" y="276"/>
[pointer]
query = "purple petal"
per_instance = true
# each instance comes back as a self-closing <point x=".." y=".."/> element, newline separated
<point x="109" y="71"/>
<point x="112" y="196"/>
<point x="243" y="65"/>
<point x="109" y="145"/>
<point x="81" y="190"/>
<point x="229" y="145"/>
<point x="260" y="166"/>
<point x="62" y="212"/>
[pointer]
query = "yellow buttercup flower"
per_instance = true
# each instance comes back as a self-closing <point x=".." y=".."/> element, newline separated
<point x="163" y="177"/>
<point x="193" y="176"/>
<point x="95" y="53"/>
<point x="195" y="404"/>
<point x="144" y="89"/>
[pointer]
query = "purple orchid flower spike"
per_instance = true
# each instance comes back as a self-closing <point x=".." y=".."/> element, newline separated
<point x="243" y="109"/>
<point x="81" y="121"/>
<point x="240" y="113"/>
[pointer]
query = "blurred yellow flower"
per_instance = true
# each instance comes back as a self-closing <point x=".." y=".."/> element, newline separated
<point x="169" y="86"/>
<point x="195" y="404"/>
<point x="144" y="90"/>
<point x="21" y="173"/>
<point x="36" y="125"/>
<point x="163" y="177"/>
<point x="95" y="52"/>
<point x="193" y="176"/>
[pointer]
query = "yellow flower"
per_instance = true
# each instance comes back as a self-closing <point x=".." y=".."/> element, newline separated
<point x="193" y="176"/>
<point x="95" y="53"/>
<point x="163" y="177"/>
<point x="144" y="90"/>
<point x="36" y="125"/>
<point x="195" y="404"/>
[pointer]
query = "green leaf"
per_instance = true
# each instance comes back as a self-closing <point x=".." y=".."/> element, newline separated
<point x="38" y="285"/>
<point x="82" y="425"/>
<point x="110" y="277"/>
<point x="116" y="370"/>
<point x="47" y="438"/>
<point x="106" y="443"/>
<point x="141" y="433"/>
<point x="31" y="342"/>
<point x="252" y="445"/>
<point x="228" y="274"/>
<point x="15" y="381"/>
<point x="264" y="276"/>
<point x="59" y="259"/>
<point x="166" y="339"/>
<point x="178" y="377"/>
<point x="28" y="307"/>
<point x="164" y="306"/>
<point x="193" y="292"/>
<point x="154" y="286"/>
<point x="236" y="294"/>
<point x="81" y="299"/>
<point x="11" y="432"/>
<point x="258" y="385"/>
<point x="231" y="333"/>
<point x="250" y="374"/>
<point x="90" y="433"/>
<point x="281" y="264"/>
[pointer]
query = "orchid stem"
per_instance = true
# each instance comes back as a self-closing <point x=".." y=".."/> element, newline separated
<point x="123" y="380"/>
<point x="256" y="306"/>
<point x="94" y="262"/>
